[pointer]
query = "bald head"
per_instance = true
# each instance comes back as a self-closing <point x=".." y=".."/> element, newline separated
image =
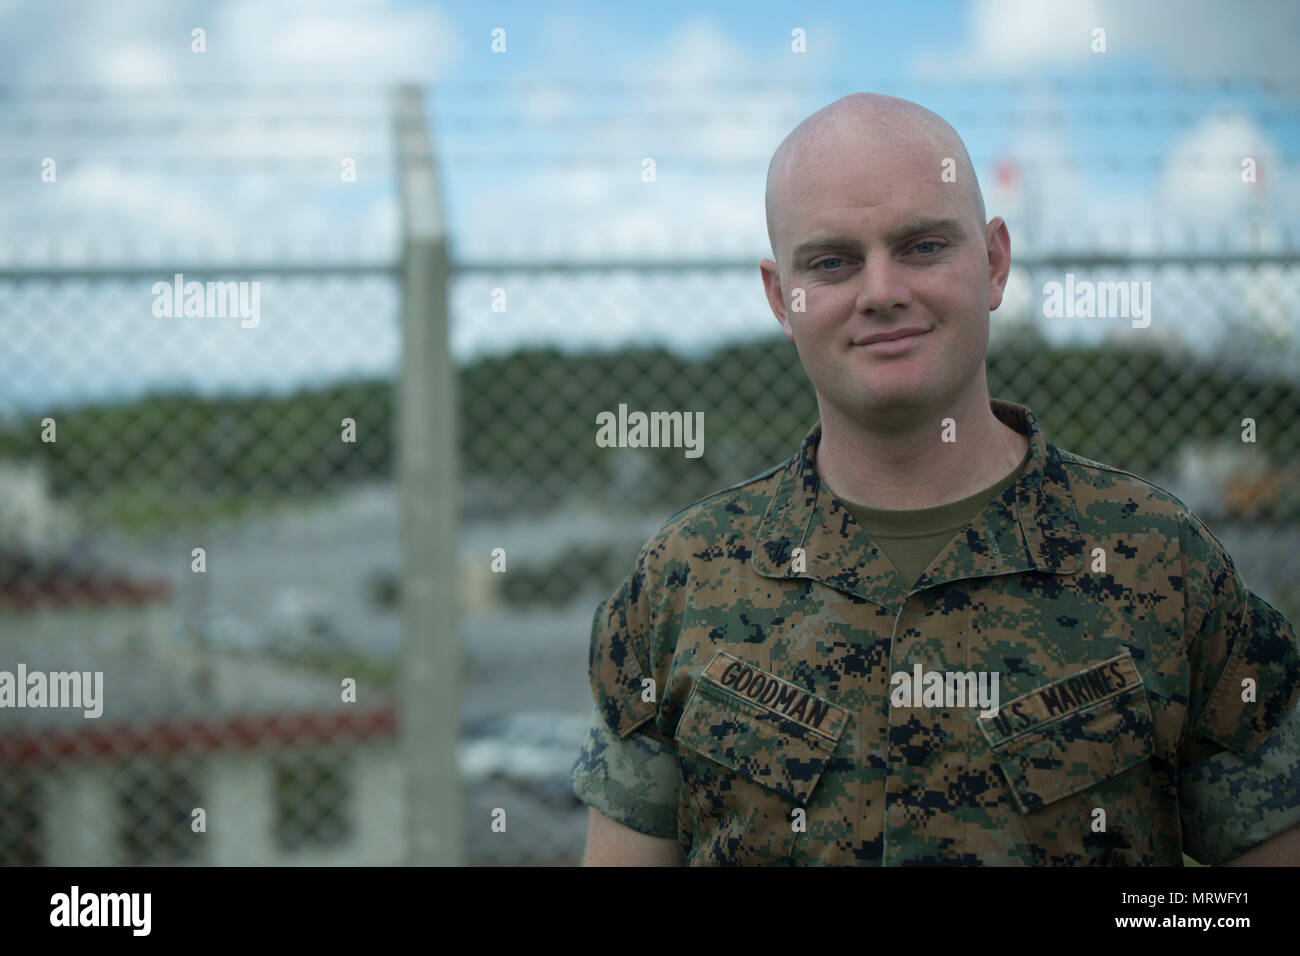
<point x="866" y="125"/>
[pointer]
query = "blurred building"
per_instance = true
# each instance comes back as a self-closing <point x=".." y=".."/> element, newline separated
<point x="281" y="768"/>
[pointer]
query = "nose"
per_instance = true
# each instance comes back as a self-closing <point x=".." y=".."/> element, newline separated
<point x="883" y="286"/>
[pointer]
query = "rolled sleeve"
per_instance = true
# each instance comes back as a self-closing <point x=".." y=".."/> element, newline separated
<point x="625" y="768"/>
<point x="1230" y="803"/>
<point x="634" y="780"/>
<point x="1245" y="662"/>
<point x="1239" y="778"/>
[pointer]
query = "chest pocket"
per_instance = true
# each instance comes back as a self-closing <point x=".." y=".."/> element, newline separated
<point x="752" y="749"/>
<point x="1074" y="747"/>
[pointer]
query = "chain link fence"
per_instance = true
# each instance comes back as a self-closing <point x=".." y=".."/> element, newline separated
<point x="208" y="512"/>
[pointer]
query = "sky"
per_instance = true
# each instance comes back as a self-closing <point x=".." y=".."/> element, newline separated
<point x="231" y="155"/>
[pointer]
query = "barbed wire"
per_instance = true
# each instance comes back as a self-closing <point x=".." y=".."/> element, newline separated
<point x="28" y="167"/>
<point x="965" y="84"/>
<point x="1009" y="117"/>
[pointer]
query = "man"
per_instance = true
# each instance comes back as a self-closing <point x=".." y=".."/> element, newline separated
<point x="930" y="637"/>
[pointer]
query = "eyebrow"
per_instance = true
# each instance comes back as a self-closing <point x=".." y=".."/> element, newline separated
<point x="895" y="235"/>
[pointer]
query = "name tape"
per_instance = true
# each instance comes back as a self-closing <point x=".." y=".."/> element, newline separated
<point x="1065" y="696"/>
<point x="788" y="701"/>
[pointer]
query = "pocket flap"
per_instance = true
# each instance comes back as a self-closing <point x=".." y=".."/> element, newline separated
<point x="779" y="738"/>
<point x="1072" y="734"/>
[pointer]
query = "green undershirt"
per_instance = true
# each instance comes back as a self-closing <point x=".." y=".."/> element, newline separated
<point x="912" y="539"/>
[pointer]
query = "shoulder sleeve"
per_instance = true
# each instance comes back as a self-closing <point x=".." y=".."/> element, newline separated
<point x="618" y="665"/>
<point x="1243" y="655"/>
<point x="634" y="780"/>
<point x="1230" y="803"/>
<point x="626" y="769"/>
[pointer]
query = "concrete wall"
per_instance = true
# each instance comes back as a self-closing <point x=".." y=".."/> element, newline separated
<point x="82" y="823"/>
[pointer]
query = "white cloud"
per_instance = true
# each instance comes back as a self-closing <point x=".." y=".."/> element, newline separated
<point x="1015" y="33"/>
<point x="1207" y="37"/>
<point x="1196" y="37"/>
<point x="155" y="208"/>
<point x="133" y="201"/>
<point x="361" y="42"/>
<point x="46" y="42"/>
<point x="377" y="222"/>
<point x="1202" y="171"/>
<point x="543" y="104"/>
<point x="147" y="42"/>
<point x="134" y="64"/>
<point x="602" y="207"/>
<point x="699" y="51"/>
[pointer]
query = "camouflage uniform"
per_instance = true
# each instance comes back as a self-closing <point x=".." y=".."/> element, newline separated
<point x="733" y="691"/>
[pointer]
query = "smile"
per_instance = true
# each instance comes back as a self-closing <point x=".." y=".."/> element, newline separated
<point x="894" y="346"/>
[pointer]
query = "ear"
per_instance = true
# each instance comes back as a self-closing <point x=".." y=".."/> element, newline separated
<point x="998" y="242"/>
<point x="775" y="295"/>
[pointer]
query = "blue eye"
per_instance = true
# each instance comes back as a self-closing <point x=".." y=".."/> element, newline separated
<point x="926" y="243"/>
<point x="824" y="261"/>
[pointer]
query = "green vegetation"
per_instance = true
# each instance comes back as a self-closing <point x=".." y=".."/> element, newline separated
<point x="527" y="433"/>
<point x="556" y="583"/>
<point x="368" y="671"/>
<point x="528" y="424"/>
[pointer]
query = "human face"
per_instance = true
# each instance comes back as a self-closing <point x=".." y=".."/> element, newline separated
<point x="881" y="246"/>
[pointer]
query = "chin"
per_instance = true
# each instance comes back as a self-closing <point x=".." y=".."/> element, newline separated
<point x="877" y="403"/>
<point x="903" y="389"/>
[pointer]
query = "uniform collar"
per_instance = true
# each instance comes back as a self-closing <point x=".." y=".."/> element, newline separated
<point x="1033" y="525"/>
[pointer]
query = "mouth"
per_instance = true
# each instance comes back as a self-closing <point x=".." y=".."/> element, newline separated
<point x="892" y="343"/>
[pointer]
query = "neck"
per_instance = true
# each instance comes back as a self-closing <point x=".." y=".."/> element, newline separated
<point x="901" y="461"/>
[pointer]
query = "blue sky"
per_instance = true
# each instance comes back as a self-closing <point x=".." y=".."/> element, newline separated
<point x="1111" y="149"/>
